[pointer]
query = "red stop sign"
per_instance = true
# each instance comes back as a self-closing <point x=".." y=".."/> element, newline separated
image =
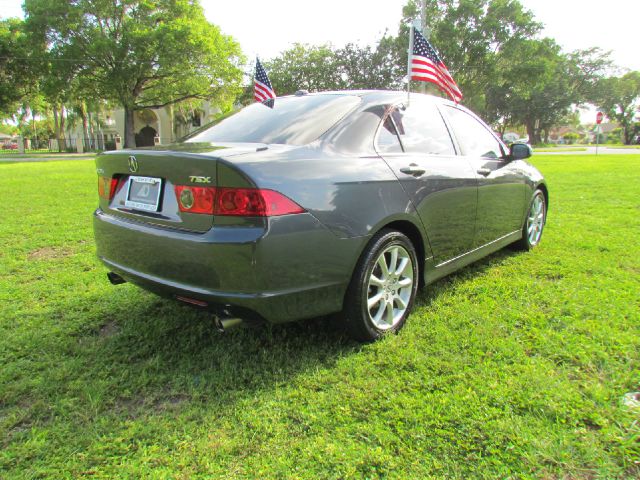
<point x="599" y="118"/>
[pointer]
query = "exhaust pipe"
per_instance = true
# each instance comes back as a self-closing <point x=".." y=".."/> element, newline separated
<point x="224" y="324"/>
<point x="115" y="279"/>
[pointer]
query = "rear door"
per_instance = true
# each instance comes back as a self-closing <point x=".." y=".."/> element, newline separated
<point x="415" y="143"/>
<point x="501" y="187"/>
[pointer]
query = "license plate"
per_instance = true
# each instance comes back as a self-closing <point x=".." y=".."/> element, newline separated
<point x="143" y="193"/>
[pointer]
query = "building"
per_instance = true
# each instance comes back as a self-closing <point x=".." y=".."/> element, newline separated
<point x="157" y="126"/>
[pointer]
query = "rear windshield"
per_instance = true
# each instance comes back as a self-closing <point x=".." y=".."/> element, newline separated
<point x="291" y="121"/>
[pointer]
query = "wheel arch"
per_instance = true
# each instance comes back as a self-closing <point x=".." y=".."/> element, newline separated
<point x="412" y="231"/>
<point x="545" y="191"/>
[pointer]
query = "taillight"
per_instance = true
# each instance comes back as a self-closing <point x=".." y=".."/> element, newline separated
<point x="253" y="202"/>
<point x="245" y="202"/>
<point x="195" y="199"/>
<point x="107" y="187"/>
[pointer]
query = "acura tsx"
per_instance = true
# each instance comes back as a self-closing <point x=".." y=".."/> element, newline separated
<point x="322" y="203"/>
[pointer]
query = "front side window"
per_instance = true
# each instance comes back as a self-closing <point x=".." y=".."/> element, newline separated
<point x="291" y="121"/>
<point x="474" y="138"/>
<point x="422" y="129"/>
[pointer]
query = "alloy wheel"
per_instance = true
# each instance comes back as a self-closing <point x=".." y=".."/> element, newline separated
<point x="535" y="220"/>
<point x="390" y="287"/>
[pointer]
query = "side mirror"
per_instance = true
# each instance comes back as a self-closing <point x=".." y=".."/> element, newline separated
<point x="520" y="151"/>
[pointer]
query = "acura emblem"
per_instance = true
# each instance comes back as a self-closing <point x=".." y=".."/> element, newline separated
<point x="133" y="164"/>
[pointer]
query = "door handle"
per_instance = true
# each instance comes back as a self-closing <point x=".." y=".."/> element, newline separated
<point x="484" y="171"/>
<point x="413" y="169"/>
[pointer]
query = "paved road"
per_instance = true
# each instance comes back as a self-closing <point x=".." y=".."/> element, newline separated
<point x="592" y="151"/>
<point x="46" y="158"/>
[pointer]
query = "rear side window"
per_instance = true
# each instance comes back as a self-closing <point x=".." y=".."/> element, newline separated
<point x="474" y="138"/>
<point x="422" y="129"/>
<point x="291" y="121"/>
<point x="388" y="141"/>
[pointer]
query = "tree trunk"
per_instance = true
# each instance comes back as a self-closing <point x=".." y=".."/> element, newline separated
<point x="85" y="124"/>
<point x="129" y="132"/>
<point x="532" y="133"/>
<point x="628" y="134"/>
<point x="58" y="123"/>
<point x="502" y="128"/>
<point x="63" y="138"/>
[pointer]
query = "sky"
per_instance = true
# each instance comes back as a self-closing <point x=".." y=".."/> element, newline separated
<point x="265" y="29"/>
<point x="275" y="25"/>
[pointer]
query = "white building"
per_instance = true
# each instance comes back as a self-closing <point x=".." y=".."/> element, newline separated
<point x="157" y="126"/>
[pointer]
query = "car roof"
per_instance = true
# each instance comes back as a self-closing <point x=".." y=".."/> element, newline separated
<point x="379" y="96"/>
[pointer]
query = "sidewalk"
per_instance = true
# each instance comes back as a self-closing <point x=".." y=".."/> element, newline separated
<point x="44" y="157"/>
<point x="602" y="150"/>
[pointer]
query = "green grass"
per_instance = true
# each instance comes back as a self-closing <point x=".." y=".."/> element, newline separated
<point x="512" y="368"/>
<point x="556" y="149"/>
<point x="41" y="151"/>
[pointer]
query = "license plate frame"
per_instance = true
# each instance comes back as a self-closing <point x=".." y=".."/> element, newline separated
<point x="149" y="202"/>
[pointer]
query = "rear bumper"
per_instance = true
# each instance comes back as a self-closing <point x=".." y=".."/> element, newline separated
<point x="287" y="269"/>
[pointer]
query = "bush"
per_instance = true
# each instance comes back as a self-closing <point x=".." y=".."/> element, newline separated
<point x="616" y="136"/>
<point x="571" y="137"/>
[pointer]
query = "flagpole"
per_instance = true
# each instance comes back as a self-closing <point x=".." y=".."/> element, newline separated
<point x="410" y="53"/>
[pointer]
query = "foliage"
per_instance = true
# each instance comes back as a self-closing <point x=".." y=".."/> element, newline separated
<point x="8" y="129"/>
<point x="304" y="67"/>
<point x="17" y="78"/>
<point x="537" y="85"/>
<point x="533" y="89"/>
<point x="618" y="98"/>
<point x="363" y="68"/>
<point x="586" y="68"/>
<point x="42" y="128"/>
<point x="571" y="137"/>
<point x="468" y="34"/>
<point x="512" y="368"/>
<point x="322" y="67"/>
<point x="615" y="136"/>
<point x="139" y="54"/>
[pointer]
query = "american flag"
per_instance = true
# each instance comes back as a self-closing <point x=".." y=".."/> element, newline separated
<point x="427" y="66"/>
<point x="262" y="90"/>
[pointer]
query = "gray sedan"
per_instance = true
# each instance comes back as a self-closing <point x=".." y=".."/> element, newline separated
<point x="320" y="203"/>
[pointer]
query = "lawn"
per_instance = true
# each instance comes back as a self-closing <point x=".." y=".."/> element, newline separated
<point x="512" y="368"/>
<point x="559" y="149"/>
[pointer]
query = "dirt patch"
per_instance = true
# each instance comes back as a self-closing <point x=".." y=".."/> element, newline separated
<point x="48" y="253"/>
<point x="109" y="330"/>
<point x="138" y="406"/>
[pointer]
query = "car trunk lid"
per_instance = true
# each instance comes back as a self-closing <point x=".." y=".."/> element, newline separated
<point x="145" y="181"/>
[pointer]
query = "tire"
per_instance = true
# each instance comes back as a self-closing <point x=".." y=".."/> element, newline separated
<point x="392" y="292"/>
<point x="533" y="223"/>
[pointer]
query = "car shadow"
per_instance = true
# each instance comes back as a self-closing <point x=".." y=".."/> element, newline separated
<point x="143" y="354"/>
<point x="136" y="356"/>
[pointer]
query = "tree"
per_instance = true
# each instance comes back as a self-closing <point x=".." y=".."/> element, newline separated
<point x="17" y="78"/>
<point x="536" y="85"/>
<point x="367" y="68"/>
<point x="139" y="53"/>
<point x="468" y="35"/>
<point x="587" y="68"/>
<point x="304" y="67"/>
<point x="618" y="98"/>
<point x="321" y="67"/>
<point x="532" y="88"/>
